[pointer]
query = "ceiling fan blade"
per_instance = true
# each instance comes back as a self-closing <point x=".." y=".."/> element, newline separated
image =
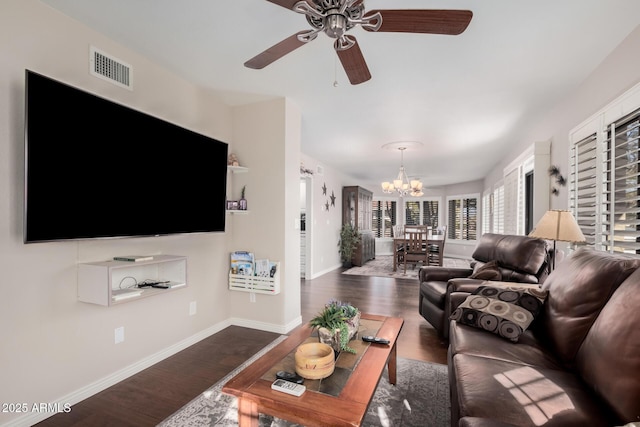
<point x="430" y="21"/>
<point x="353" y="61"/>
<point x="285" y="3"/>
<point x="275" y="52"/>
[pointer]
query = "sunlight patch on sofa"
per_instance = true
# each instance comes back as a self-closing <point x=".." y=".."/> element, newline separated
<point x="540" y="397"/>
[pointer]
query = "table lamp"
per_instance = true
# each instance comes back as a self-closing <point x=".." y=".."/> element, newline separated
<point x="558" y="225"/>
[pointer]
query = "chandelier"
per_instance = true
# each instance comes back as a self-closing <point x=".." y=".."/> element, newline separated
<point x="402" y="185"/>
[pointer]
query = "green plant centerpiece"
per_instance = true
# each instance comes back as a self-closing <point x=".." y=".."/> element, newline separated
<point x="337" y="323"/>
<point x="348" y="243"/>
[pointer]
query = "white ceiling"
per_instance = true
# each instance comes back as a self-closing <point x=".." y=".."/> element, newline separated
<point x="464" y="97"/>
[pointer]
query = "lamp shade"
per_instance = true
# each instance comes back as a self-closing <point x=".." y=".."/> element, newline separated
<point x="558" y="225"/>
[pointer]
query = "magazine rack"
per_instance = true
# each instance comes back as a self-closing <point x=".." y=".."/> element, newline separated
<point x="257" y="284"/>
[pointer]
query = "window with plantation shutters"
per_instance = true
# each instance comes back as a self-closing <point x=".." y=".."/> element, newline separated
<point x="604" y="181"/>
<point x="412" y="212"/>
<point x="383" y="217"/>
<point x="469" y="219"/>
<point x="462" y="218"/>
<point x="512" y="203"/>
<point x="584" y="182"/>
<point x="487" y="211"/>
<point x="498" y="210"/>
<point x="421" y="212"/>
<point x="621" y="210"/>
<point x="430" y="213"/>
<point x="454" y="228"/>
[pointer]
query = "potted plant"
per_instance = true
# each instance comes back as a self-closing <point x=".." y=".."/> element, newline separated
<point x="348" y="243"/>
<point x="337" y="323"/>
<point x="243" y="202"/>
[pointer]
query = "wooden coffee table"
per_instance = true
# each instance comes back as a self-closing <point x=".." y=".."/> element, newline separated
<point x="348" y="404"/>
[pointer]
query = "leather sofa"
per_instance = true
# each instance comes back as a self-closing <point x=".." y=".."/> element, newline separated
<point x="578" y="364"/>
<point x="510" y="258"/>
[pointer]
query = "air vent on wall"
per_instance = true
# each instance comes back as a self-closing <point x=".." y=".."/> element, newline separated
<point x="111" y="69"/>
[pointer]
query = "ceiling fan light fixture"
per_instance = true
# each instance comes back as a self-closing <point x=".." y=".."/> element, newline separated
<point x="336" y="17"/>
<point x="335" y="25"/>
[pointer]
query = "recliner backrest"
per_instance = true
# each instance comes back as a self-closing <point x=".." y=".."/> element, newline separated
<point x="521" y="258"/>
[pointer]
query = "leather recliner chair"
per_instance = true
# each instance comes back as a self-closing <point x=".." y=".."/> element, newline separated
<point x="506" y="258"/>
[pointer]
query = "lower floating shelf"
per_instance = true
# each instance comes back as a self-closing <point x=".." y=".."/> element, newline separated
<point x="256" y="284"/>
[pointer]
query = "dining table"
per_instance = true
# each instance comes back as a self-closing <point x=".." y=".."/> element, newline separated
<point x="432" y="239"/>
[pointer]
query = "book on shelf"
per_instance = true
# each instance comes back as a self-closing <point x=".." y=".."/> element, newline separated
<point x="133" y="258"/>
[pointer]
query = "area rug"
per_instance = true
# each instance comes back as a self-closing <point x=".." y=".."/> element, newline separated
<point x="421" y="398"/>
<point x="382" y="266"/>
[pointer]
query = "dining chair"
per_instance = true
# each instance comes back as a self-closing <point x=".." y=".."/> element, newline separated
<point x="418" y="228"/>
<point x="436" y="250"/>
<point x="398" y="245"/>
<point x="415" y="248"/>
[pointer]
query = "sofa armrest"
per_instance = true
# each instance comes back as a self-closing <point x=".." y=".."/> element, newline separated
<point x="455" y="299"/>
<point x="464" y="285"/>
<point x="442" y="274"/>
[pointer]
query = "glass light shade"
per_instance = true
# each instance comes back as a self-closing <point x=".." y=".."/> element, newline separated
<point x="402" y="184"/>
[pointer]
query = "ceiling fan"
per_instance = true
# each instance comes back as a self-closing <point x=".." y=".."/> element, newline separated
<point x="336" y="17"/>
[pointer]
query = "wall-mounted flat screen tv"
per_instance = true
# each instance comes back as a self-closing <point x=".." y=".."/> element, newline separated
<point x="98" y="169"/>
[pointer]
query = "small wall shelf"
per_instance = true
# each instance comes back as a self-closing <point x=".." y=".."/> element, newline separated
<point x="256" y="284"/>
<point x="237" y="169"/>
<point x="111" y="282"/>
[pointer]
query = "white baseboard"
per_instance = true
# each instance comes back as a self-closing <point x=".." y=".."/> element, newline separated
<point x="269" y="327"/>
<point x="114" y="378"/>
<point x="325" y="271"/>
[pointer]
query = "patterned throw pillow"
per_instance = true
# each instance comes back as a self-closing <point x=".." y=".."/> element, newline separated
<point x="506" y="310"/>
<point x="488" y="271"/>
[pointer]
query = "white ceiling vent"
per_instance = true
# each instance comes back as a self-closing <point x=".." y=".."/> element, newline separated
<point x="111" y="69"/>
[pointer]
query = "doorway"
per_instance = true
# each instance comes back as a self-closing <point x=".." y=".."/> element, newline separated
<point x="306" y="226"/>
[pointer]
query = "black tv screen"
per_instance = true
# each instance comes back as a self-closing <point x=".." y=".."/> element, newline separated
<point x="98" y="169"/>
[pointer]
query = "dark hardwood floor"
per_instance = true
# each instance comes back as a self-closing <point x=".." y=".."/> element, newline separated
<point x="150" y="396"/>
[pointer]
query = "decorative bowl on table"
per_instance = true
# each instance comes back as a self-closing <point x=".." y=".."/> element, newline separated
<point x="314" y="360"/>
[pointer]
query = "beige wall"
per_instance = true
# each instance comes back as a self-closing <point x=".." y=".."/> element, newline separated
<point x="55" y="349"/>
<point x="267" y="136"/>
<point x="618" y="72"/>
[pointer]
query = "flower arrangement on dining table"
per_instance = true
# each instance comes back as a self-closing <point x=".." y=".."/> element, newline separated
<point x="337" y="324"/>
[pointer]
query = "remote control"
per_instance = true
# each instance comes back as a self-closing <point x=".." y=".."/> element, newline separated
<point x="376" y="340"/>
<point x="288" y="387"/>
<point x="289" y="376"/>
